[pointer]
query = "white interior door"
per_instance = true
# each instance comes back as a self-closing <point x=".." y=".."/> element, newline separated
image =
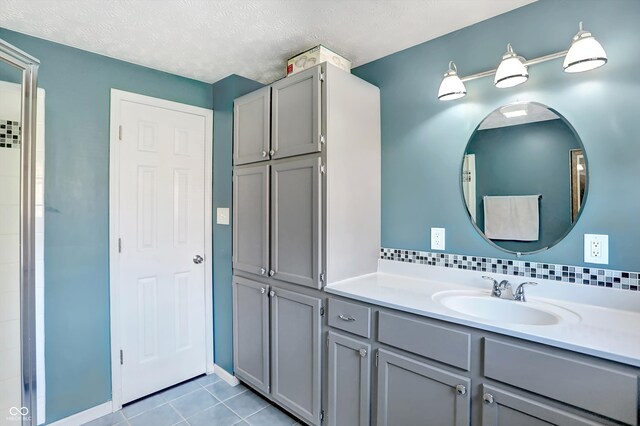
<point x="162" y="230"/>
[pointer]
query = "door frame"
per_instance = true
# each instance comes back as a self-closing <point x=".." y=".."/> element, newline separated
<point x="117" y="96"/>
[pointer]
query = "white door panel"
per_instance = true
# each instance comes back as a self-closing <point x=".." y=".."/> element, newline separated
<point x="161" y="222"/>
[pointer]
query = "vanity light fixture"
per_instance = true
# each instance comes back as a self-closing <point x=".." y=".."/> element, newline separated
<point x="584" y="54"/>
<point x="511" y="71"/>
<point x="451" y="87"/>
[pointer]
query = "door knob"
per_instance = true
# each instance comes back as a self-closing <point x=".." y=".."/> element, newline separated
<point x="197" y="259"/>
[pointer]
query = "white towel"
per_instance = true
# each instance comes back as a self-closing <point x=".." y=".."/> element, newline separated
<point x="515" y="218"/>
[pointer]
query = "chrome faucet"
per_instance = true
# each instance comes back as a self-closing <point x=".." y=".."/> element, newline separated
<point x="502" y="289"/>
<point x="519" y="295"/>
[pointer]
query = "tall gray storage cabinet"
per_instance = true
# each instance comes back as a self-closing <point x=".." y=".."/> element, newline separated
<point x="306" y="213"/>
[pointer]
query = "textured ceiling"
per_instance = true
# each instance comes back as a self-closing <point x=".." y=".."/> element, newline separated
<point x="210" y="39"/>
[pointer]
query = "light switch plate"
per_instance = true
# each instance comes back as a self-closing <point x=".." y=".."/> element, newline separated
<point x="596" y="248"/>
<point x="437" y="238"/>
<point x="222" y="215"/>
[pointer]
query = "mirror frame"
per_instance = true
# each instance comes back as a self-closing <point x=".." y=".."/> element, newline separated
<point x="584" y="198"/>
<point x="28" y="65"/>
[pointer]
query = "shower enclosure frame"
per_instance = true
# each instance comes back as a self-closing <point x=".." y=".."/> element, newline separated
<point x="28" y="65"/>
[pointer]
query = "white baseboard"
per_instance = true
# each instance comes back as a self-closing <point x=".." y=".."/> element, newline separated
<point x="86" y="415"/>
<point x="226" y="376"/>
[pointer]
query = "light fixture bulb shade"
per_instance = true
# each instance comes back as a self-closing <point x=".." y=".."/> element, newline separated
<point x="451" y="87"/>
<point x="584" y="54"/>
<point x="511" y="71"/>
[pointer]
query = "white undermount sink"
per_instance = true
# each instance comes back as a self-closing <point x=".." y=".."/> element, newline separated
<point x="482" y="305"/>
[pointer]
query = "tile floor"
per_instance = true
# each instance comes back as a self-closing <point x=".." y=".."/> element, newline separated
<point x="206" y="400"/>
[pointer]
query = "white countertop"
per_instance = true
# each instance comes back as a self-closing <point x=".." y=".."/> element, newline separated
<point x="609" y="319"/>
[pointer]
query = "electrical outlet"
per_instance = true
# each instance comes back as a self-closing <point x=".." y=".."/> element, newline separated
<point x="596" y="248"/>
<point x="437" y="238"/>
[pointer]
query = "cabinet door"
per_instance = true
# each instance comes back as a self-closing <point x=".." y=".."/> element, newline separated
<point x="295" y="345"/>
<point x="251" y="332"/>
<point x="251" y="127"/>
<point x="295" y="221"/>
<point x="296" y="114"/>
<point x="349" y="376"/>
<point x="415" y="393"/>
<point x="251" y="219"/>
<point x="503" y="408"/>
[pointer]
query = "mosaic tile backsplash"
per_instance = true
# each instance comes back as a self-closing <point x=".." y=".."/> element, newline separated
<point x="548" y="271"/>
<point x="10" y="134"/>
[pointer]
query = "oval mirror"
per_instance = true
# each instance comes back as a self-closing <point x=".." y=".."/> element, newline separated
<point x="524" y="177"/>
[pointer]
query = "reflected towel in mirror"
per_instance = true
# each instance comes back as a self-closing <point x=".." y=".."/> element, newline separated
<point x="515" y="218"/>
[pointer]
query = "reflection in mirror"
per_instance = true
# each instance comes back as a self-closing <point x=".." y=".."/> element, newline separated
<point x="524" y="177"/>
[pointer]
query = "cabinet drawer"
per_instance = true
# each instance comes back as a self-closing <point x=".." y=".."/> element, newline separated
<point x="350" y="317"/>
<point x="608" y="392"/>
<point x="441" y="344"/>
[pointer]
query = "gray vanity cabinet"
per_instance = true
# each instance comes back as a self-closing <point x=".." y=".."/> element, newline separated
<point x="295" y="345"/>
<point x="251" y="332"/>
<point x="410" y="392"/>
<point x="251" y="120"/>
<point x="251" y="219"/>
<point x="349" y="364"/>
<point x="296" y="118"/>
<point x="503" y="408"/>
<point x="295" y="221"/>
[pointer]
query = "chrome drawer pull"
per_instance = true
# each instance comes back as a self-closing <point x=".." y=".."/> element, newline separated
<point x="488" y="398"/>
<point x="343" y="318"/>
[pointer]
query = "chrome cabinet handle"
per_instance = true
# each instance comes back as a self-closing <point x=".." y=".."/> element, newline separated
<point x="343" y="318"/>
<point x="263" y="290"/>
<point x="272" y="273"/>
<point x="197" y="259"/>
<point x="363" y="353"/>
<point x="263" y="271"/>
<point x="272" y="293"/>
<point x="272" y="152"/>
<point x="461" y="389"/>
<point x="264" y="154"/>
<point x="487" y="398"/>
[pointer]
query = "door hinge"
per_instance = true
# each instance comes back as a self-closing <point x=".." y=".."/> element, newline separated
<point x="321" y="76"/>
<point x="121" y="357"/>
<point x="120" y="132"/>
<point x="322" y="277"/>
<point x="377" y="354"/>
<point x="327" y="341"/>
<point x="322" y="415"/>
<point x="119" y="245"/>
<point x="323" y="169"/>
<point x="321" y="311"/>
<point x="322" y="139"/>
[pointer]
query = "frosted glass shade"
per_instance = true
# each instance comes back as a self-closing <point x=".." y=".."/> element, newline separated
<point x="585" y="54"/>
<point x="451" y="87"/>
<point x="511" y="72"/>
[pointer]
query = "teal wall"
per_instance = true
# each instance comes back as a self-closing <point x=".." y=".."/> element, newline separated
<point x="78" y="84"/>
<point x="224" y="92"/>
<point x="527" y="159"/>
<point x="423" y="139"/>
